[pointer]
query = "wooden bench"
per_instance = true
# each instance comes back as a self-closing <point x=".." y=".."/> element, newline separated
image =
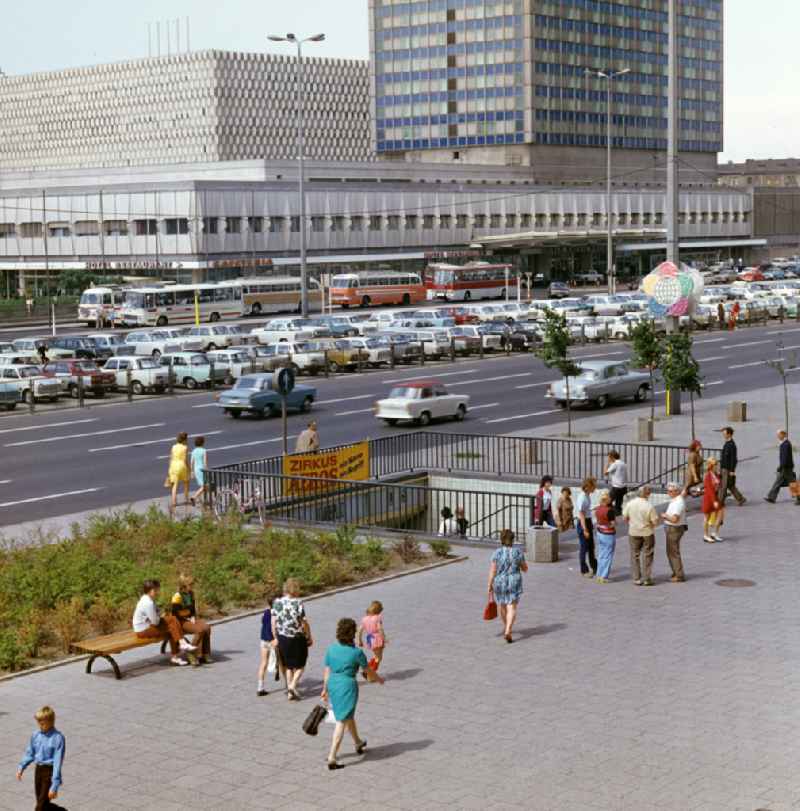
<point x="105" y="646"/>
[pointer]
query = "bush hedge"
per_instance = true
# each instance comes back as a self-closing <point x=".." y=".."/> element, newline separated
<point x="54" y="593"/>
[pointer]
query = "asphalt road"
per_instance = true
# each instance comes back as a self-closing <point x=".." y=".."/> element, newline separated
<point x="78" y="459"/>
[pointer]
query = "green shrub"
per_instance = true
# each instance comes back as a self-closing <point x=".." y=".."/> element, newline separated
<point x="68" y="621"/>
<point x="440" y="548"/>
<point x="12" y="656"/>
<point x="32" y="632"/>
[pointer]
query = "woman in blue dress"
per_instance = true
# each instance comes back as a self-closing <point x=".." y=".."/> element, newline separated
<point x="505" y="580"/>
<point x="343" y="660"/>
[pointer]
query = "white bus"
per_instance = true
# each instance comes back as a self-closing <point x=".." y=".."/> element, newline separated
<point x="100" y="305"/>
<point x="277" y="294"/>
<point x="158" y="306"/>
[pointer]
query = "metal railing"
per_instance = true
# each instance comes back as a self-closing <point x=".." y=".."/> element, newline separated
<point x="564" y="459"/>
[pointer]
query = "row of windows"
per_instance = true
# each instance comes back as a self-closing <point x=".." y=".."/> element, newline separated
<point x="623" y="55"/>
<point x="633" y="99"/>
<point x="457" y="95"/>
<point x="621" y="32"/>
<point x="561" y="69"/>
<point x="431" y="52"/>
<point x="579" y="139"/>
<point x="448" y="73"/>
<point x="630" y="10"/>
<point x="638" y="121"/>
<point x="483" y="128"/>
<point x="453" y="118"/>
<point x="463" y="140"/>
<point x="508" y="21"/>
<point x="397" y="9"/>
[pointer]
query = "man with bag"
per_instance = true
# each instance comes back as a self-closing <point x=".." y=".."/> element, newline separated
<point x="785" y="477"/>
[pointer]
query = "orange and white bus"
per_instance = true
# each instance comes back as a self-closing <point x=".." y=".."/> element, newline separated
<point x="376" y="287"/>
<point x="476" y="280"/>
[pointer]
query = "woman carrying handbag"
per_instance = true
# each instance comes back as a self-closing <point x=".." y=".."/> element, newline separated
<point x="505" y="580"/>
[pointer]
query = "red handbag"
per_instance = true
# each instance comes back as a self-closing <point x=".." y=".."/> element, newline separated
<point x="490" y="612"/>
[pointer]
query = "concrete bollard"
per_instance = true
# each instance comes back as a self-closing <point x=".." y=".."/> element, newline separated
<point x="737" y="411"/>
<point x="644" y="429"/>
<point x="542" y="544"/>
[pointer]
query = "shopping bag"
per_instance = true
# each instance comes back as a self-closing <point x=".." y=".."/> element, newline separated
<point x="272" y="662"/>
<point x="314" y="719"/>
<point x="794" y="489"/>
<point x="490" y="612"/>
<point x="329" y="718"/>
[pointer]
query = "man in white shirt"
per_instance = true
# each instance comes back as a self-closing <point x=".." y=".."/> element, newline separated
<point x="617" y="473"/>
<point x="448" y="525"/>
<point x="675" y="525"/>
<point x="642" y="522"/>
<point x="148" y="624"/>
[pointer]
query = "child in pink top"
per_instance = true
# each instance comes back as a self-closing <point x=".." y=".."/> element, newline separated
<point x="371" y="631"/>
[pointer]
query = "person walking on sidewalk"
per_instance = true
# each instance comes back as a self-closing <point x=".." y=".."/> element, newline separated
<point x="727" y="463"/>
<point x="617" y="474"/>
<point x="543" y="503"/>
<point x="505" y="580"/>
<point x="308" y="439"/>
<point x="675" y="526"/>
<point x="712" y="507"/>
<point x="642" y="521"/>
<point x="45" y="749"/>
<point x="585" y="528"/>
<point x="785" y="475"/>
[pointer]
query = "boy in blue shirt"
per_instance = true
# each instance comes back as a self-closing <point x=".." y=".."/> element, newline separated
<point x="46" y="749"/>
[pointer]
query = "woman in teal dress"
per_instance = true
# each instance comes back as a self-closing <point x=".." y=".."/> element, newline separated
<point x="505" y="580"/>
<point x="343" y="660"/>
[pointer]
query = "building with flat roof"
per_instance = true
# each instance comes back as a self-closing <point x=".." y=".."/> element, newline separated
<point x="204" y="106"/>
<point x="773" y="172"/>
<point x="505" y="82"/>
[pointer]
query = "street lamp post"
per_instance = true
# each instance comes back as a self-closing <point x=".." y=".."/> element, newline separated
<point x="300" y="147"/>
<point x="609" y="76"/>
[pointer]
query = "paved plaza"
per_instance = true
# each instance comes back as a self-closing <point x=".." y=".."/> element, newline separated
<point x="682" y="696"/>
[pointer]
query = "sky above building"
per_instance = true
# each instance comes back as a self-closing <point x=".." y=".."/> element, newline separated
<point x="762" y="105"/>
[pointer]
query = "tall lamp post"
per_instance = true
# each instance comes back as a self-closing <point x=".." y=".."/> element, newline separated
<point x="300" y="146"/>
<point x="609" y="76"/>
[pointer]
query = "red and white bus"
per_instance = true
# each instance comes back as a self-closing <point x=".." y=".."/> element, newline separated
<point x="376" y="287"/>
<point x="476" y="280"/>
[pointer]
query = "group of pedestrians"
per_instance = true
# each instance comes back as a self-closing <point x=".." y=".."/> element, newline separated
<point x="183" y="467"/>
<point x="285" y="641"/>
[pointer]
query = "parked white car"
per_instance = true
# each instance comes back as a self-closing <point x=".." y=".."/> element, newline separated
<point x="155" y="343"/>
<point x="435" y="342"/>
<point x="606" y="305"/>
<point x="146" y="374"/>
<point x="490" y="342"/>
<point x="378" y="351"/>
<point x="420" y="402"/>
<point x="209" y="336"/>
<point x="234" y="361"/>
<point x="31" y="382"/>
<point x="281" y="330"/>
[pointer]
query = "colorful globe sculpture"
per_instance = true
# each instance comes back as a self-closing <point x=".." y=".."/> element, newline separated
<point x="672" y="290"/>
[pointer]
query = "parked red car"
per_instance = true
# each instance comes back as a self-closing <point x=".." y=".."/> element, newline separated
<point x="461" y="315"/>
<point x="69" y="370"/>
<point x="751" y="275"/>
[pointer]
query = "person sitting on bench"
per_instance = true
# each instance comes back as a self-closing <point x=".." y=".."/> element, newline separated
<point x="149" y="624"/>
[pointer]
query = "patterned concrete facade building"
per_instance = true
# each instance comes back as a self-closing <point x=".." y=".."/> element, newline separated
<point x="203" y="106"/>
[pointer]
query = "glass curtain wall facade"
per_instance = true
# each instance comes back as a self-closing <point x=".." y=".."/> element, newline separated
<point x="467" y="73"/>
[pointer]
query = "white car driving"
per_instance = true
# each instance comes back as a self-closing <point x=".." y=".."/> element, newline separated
<point x="420" y="402"/>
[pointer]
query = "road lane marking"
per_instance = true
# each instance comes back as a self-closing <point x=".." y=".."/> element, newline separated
<point x="531" y="385"/>
<point x="709" y="341"/>
<point x="357" y="411"/>
<point x="525" y="416"/>
<point x="43" y="426"/>
<point x="603" y="355"/>
<point x="82" y="436"/>
<point x="147" y="442"/>
<point x="52" y="496"/>
<point x="712" y="383"/>
<point x="485" y="405"/>
<point x="6" y="481"/>
<point x="345" y="399"/>
<point x="713" y="357"/>
<point x="749" y="343"/>
<point x="215" y="449"/>
<point x="489" y="379"/>
<point x="422" y="375"/>
<point x="745" y="365"/>
<point x="206" y="405"/>
<point x="781" y="331"/>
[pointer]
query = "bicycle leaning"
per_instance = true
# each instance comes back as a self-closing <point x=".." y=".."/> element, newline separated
<point x="233" y="499"/>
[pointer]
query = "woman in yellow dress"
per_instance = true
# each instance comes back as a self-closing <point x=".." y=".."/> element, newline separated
<point x="178" y="469"/>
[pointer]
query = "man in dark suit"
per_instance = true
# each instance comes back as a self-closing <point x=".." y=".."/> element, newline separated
<point x="785" y="469"/>
<point x="727" y="463"/>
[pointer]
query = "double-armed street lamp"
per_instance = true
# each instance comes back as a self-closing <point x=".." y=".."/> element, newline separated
<point x="299" y="100"/>
<point x="609" y="76"/>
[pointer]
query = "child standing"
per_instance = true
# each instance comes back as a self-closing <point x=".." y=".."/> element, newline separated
<point x="199" y="464"/>
<point x="269" y="647"/>
<point x="46" y="749"/>
<point x="371" y="631"/>
<point x="565" y="510"/>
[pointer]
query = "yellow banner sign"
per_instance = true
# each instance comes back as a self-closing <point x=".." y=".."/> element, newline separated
<point x="348" y="464"/>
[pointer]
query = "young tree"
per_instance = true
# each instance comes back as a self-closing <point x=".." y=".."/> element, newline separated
<point x="554" y="352"/>
<point x="681" y="372"/>
<point x="783" y="365"/>
<point x="648" y="349"/>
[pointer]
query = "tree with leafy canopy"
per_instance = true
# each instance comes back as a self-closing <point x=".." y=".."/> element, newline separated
<point x="554" y="353"/>
<point x="647" y="344"/>
<point x="74" y="281"/>
<point x="680" y="370"/>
